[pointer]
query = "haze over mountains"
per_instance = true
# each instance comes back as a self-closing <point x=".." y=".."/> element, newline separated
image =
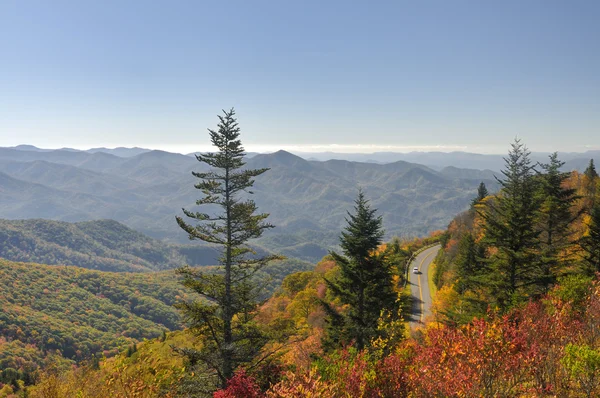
<point x="307" y="200"/>
<point x="435" y="160"/>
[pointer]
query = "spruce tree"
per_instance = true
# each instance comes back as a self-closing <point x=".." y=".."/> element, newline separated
<point x="482" y="193"/>
<point x="590" y="171"/>
<point x="590" y="185"/>
<point x="510" y="229"/>
<point x="365" y="282"/>
<point x="223" y="318"/>
<point x="468" y="263"/>
<point x="590" y="243"/>
<point x="555" y="218"/>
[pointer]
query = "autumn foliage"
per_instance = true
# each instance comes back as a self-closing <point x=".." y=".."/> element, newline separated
<point x="240" y="385"/>
<point x="549" y="347"/>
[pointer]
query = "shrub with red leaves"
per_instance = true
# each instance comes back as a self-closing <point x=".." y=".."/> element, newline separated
<point x="240" y="386"/>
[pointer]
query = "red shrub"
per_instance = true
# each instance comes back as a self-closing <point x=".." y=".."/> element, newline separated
<point x="240" y="386"/>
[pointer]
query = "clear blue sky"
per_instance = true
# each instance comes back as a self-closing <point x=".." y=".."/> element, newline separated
<point x="309" y="75"/>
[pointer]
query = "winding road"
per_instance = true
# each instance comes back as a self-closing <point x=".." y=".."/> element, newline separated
<point x="419" y="286"/>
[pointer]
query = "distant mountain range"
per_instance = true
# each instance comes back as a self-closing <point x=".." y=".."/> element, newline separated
<point x="434" y="160"/>
<point x="439" y="160"/>
<point x="307" y="200"/>
<point x="120" y="151"/>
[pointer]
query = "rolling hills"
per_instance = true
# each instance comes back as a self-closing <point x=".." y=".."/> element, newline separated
<point x="107" y="245"/>
<point x="104" y="245"/>
<point x="79" y="312"/>
<point x="307" y="200"/>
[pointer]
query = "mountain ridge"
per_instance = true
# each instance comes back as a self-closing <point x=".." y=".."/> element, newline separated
<point x="304" y="198"/>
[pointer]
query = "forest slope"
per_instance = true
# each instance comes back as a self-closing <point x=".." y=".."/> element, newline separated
<point x="77" y="312"/>
<point x="104" y="245"/>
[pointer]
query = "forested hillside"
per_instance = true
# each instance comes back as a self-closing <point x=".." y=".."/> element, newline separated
<point x="104" y="245"/>
<point x="541" y="230"/>
<point x="543" y="348"/>
<point x="75" y="313"/>
<point x="107" y="245"/>
<point x="292" y="317"/>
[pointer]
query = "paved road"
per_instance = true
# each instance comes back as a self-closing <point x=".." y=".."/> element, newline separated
<point x="419" y="286"/>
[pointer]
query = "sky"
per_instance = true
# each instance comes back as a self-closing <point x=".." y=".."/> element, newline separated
<point x="314" y="76"/>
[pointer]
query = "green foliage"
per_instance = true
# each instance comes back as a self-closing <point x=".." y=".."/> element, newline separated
<point x="365" y="282"/>
<point x="519" y="243"/>
<point x="510" y="227"/>
<point x="590" y="243"/>
<point x="275" y="271"/>
<point x="225" y="319"/>
<point x="294" y="283"/>
<point x="583" y="363"/>
<point x="153" y="370"/>
<point x="104" y="245"/>
<point x="77" y="312"/>
<point x="555" y="218"/>
<point x="590" y="172"/>
<point x="468" y="263"/>
<point x="573" y="289"/>
<point x="482" y="193"/>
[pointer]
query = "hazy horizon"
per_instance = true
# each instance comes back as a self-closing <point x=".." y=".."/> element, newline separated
<point x="314" y="149"/>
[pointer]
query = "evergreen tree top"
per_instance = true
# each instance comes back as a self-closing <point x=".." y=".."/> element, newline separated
<point x="482" y="193"/>
<point x="591" y="172"/>
<point x="364" y="283"/>
<point x="518" y="164"/>
<point x="364" y="232"/>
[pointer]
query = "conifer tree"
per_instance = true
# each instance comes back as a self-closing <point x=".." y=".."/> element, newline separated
<point x="468" y="263"/>
<point x="365" y="282"/>
<point x="223" y="319"/>
<point x="482" y="193"/>
<point x="590" y="185"/>
<point x="556" y="216"/>
<point x="590" y="171"/>
<point x="590" y="243"/>
<point x="510" y="228"/>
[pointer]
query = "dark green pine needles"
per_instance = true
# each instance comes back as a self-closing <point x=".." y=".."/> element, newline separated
<point x="364" y="283"/>
<point x="555" y="218"/>
<point x="224" y="319"/>
<point x="510" y="227"/>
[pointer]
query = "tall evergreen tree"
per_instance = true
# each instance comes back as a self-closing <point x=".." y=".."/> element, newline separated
<point x="590" y="243"/>
<point x="468" y="271"/>
<point x="223" y="319"/>
<point x="510" y="228"/>
<point x="365" y="282"/>
<point x="590" y="171"/>
<point x="590" y="185"/>
<point x="556" y="215"/>
<point x="468" y="263"/>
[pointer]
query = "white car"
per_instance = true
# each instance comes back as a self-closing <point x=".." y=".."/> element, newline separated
<point x="415" y="270"/>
